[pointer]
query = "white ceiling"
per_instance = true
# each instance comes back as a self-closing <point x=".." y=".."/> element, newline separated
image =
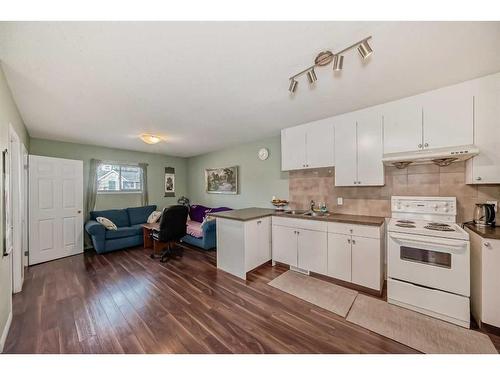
<point x="208" y="85"/>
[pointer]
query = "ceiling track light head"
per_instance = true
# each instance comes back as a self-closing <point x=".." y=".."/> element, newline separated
<point x="364" y="49"/>
<point x="338" y="62"/>
<point x="311" y="76"/>
<point x="293" y="86"/>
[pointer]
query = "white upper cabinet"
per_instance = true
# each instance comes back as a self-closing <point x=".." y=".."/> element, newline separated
<point x="435" y="119"/>
<point x="370" y="147"/>
<point x="308" y="146"/>
<point x="359" y="148"/>
<point x="448" y="116"/>
<point x="402" y="126"/>
<point x="319" y="144"/>
<point x="485" y="167"/>
<point x="293" y="148"/>
<point x="346" y="150"/>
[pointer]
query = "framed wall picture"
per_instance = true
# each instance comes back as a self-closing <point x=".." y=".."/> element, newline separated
<point x="169" y="182"/>
<point x="221" y="180"/>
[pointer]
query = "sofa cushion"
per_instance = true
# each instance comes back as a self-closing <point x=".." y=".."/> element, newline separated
<point x="139" y="215"/>
<point x="119" y="217"/>
<point x="124" y="232"/>
<point x="194" y="229"/>
<point x="197" y="212"/>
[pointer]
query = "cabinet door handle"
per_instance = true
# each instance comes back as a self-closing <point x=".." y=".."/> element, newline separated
<point x="487" y="244"/>
<point x="354" y="242"/>
<point x="420" y="145"/>
<point x="348" y="240"/>
<point x="426" y="145"/>
<point x="478" y="178"/>
<point x="260" y="221"/>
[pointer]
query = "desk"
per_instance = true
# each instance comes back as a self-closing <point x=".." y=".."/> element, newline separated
<point x="146" y="234"/>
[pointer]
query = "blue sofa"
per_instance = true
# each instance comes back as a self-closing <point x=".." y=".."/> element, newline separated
<point x="129" y="233"/>
<point x="209" y="239"/>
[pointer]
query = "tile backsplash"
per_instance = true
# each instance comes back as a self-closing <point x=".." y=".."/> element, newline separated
<point x="418" y="180"/>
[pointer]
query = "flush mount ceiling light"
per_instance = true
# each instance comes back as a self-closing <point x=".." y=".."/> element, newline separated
<point x="150" y="139"/>
<point x="326" y="57"/>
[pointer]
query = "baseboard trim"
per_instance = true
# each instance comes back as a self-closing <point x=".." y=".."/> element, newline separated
<point x="5" y="332"/>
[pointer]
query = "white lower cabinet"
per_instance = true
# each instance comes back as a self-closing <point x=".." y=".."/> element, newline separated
<point x="366" y="267"/>
<point x="485" y="279"/>
<point x="243" y="245"/>
<point x="339" y="256"/>
<point x="353" y="253"/>
<point x="356" y="259"/>
<point x="312" y="250"/>
<point x="285" y="245"/>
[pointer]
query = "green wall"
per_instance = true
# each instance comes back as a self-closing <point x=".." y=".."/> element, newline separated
<point x="8" y="115"/>
<point x="258" y="180"/>
<point x="156" y="171"/>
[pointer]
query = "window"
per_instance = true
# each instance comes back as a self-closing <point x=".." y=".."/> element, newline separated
<point x="118" y="178"/>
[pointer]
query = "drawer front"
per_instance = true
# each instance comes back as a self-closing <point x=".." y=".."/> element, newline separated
<point x="316" y="225"/>
<point x="370" y="231"/>
<point x="433" y="302"/>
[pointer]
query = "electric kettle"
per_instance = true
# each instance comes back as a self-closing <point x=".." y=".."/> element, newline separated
<point x="484" y="214"/>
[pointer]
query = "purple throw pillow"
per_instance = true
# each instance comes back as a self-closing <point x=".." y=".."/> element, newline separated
<point x="197" y="212"/>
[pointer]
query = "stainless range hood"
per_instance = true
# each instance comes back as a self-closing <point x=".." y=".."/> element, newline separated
<point x="440" y="156"/>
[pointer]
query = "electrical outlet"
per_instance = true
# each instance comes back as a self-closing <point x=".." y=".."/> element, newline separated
<point x="340" y="201"/>
<point x="495" y="203"/>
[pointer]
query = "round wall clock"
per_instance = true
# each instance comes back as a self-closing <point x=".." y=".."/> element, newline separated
<point x="263" y="153"/>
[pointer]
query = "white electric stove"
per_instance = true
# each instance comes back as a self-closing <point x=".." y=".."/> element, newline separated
<point x="428" y="258"/>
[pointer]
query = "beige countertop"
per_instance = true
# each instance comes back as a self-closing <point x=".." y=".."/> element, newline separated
<point x="246" y="214"/>
<point x="485" y="232"/>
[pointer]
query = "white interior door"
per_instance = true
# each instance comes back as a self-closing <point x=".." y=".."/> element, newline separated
<point x="16" y="211"/>
<point x="56" y="208"/>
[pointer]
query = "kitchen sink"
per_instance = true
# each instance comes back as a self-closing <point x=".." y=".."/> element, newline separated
<point x="305" y="213"/>
<point x="313" y="213"/>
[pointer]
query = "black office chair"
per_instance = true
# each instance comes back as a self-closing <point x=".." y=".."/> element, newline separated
<point x="172" y="228"/>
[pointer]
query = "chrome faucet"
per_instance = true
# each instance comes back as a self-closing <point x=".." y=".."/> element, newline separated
<point x="312" y="205"/>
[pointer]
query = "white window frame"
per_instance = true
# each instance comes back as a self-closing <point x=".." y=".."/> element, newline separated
<point x="120" y="191"/>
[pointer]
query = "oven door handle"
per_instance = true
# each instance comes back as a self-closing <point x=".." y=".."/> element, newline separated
<point x="434" y="241"/>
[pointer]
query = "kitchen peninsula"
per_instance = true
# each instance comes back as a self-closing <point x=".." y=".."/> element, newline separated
<point x="345" y="247"/>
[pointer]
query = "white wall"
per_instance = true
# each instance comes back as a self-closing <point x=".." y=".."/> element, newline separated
<point x="8" y="114"/>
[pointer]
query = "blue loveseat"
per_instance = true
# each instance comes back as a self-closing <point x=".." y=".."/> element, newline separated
<point x="129" y="233"/>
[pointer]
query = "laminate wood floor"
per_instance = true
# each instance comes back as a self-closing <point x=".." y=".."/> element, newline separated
<point x="125" y="302"/>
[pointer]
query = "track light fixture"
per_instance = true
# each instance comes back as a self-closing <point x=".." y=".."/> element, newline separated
<point x="326" y="57"/>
